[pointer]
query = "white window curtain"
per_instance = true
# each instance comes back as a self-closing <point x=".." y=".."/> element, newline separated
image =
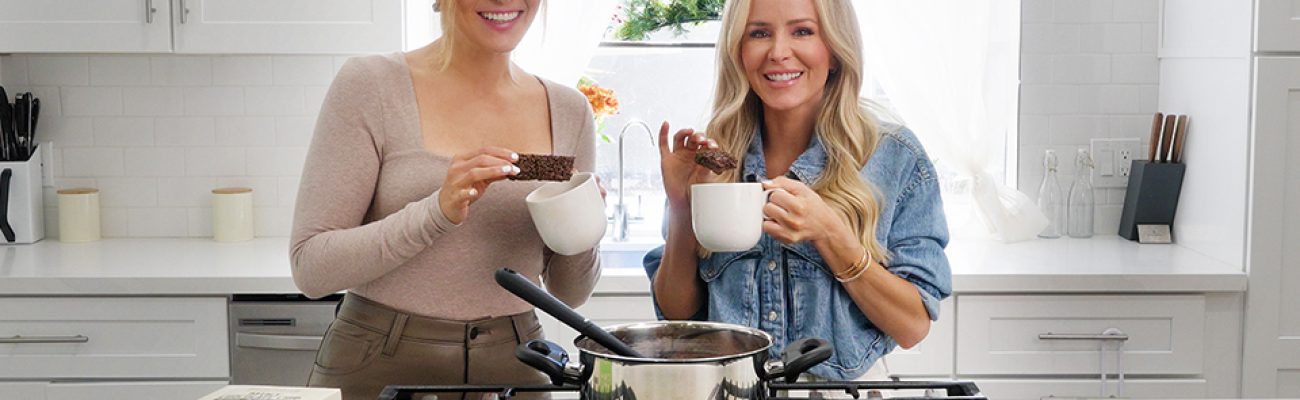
<point x="564" y="37"/>
<point x="944" y="66"/>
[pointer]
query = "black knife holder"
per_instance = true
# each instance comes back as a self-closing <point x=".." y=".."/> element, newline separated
<point x="1152" y="196"/>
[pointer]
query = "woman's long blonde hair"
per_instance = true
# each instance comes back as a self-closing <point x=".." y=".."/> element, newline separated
<point x="846" y="128"/>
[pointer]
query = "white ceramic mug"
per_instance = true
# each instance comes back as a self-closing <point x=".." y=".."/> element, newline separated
<point x="570" y="216"/>
<point x="728" y="216"/>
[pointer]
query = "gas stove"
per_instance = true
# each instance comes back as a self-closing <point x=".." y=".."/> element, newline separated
<point x="892" y="390"/>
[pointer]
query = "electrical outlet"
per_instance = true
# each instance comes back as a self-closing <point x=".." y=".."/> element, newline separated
<point x="1113" y="161"/>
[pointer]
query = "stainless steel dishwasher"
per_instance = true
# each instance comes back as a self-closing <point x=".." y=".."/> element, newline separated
<point x="274" y="338"/>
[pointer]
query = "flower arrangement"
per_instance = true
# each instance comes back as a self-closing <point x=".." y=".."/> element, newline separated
<point x="640" y="17"/>
<point x="603" y="103"/>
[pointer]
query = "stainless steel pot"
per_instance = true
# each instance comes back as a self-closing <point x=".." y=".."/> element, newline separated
<point x="680" y="360"/>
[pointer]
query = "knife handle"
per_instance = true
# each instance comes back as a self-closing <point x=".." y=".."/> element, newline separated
<point x="1180" y="136"/>
<point x="1167" y="137"/>
<point x="1155" y="136"/>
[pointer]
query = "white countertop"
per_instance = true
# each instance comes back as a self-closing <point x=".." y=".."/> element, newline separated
<point x="205" y="267"/>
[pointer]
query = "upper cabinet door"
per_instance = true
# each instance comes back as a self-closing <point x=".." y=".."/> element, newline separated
<point x="62" y="26"/>
<point x="1279" y="26"/>
<point x="288" y="26"/>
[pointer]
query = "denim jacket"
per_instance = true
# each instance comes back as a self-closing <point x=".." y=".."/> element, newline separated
<point x="789" y="292"/>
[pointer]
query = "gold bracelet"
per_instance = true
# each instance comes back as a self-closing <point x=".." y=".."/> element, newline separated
<point x="855" y="271"/>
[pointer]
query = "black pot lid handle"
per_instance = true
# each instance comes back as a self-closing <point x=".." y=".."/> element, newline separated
<point x="799" y="357"/>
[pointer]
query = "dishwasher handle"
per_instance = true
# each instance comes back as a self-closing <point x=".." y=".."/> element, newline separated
<point x="277" y="342"/>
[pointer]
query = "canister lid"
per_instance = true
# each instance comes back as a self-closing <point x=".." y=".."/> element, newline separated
<point x="78" y="191"/>
<point x="232" y="190"/>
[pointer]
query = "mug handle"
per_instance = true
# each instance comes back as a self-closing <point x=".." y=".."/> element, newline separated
<point x="767" y="198"/>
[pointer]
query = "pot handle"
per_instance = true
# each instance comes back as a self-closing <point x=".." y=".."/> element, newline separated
<point x="799" y="357"/>
<point x="547" y="357"/>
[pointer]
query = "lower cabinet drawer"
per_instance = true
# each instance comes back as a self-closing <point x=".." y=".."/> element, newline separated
<point x="131" y="390"/>
<point x="1056" y="334"/>
<point x="113" y="337"/>
<point x="1038" y="389"/>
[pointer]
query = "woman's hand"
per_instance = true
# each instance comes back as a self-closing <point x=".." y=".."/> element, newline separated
<point x="469" y="176"/>
<point x="678" y="163"/>
<point x="795" y="213"/>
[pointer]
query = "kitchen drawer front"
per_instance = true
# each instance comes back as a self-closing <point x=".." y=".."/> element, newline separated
<point x="1039" y="389"/>
<point x="117" y="337"/>
<point x="933" y="357"/>
<point x="1001" y="334"/>
<point x="1278" y="25"/>
<point x="131" y="390"/>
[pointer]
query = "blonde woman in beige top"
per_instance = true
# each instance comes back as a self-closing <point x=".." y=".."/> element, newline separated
<point x="404" y="203"/>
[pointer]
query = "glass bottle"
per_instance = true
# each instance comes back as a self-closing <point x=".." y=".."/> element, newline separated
<point x="1081" y="202"/>
<point x="1050" y="199"/>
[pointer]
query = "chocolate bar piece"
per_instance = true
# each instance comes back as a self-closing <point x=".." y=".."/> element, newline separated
<point x="717" y="161"/>
<point x="543" y="167"/>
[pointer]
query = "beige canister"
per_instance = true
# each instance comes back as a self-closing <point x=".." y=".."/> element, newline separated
<point x="78" y="215"/>
<point x="232" y="214"/>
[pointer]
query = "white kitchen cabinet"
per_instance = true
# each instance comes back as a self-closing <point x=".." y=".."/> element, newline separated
<point x="1278" y="24"/>
<point x="61" y="26"/>
<point x="131" y="390"/>
<point x="1272" y="346"/>
<point x="202" y="26"/>
<point x="118" y="337"/>
<point x="22" y="390"/>
<point x="288" y="26"/>
<point x="1038" y="389"/>
<point x="1030" y="335"/>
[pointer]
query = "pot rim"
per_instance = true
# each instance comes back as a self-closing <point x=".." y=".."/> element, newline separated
<point x="709" y="325"/>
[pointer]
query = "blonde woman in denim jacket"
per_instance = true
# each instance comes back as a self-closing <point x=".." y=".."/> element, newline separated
<point x="852" y="246"/>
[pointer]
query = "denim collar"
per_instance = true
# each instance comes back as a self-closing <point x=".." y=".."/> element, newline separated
<point x="807" y="168"/>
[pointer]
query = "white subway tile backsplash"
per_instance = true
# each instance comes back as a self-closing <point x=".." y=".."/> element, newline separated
<point x="123" y="131"/>
<point x="92" y="162"/>
<point x="71" y="183"/>
<point x="315" y="97"/>
<point x="245" y="131"/>
<point x="1037" y="11"/>
<point x="1136" y="11"/>
<point x="200" y="222"/>
<point x="128" y="192"/>
<point x="200" y="131"/>
<point x="274" y="100"/>
<point x="1150" y="37"/>
<point x="157" y="161"/>
<point x="265" y="189"/>
<point x="153" y="101"/>
<point x="186" y="192"/>
<point x="241" y="70"/>
<point x="1077" y="129"/>
<point x="1135" y="68"/>
<point x="181" y="70"/>
<point x="214" y="101"/>
<point x="1081" y="69"/>
<point x="1130" y="126"/>
<point x="294" y="131"/>
<point x="276" y="161"/>
<point x="113" y="222"/>
<point x="90" y="101"/>
<point x="303" y="70"/>
<point x="288" y="187"/>
<point x="51" y="100"/>
<point x="15" y="70"/>
<point x="58" y="70"/>
<point x="1118" y="99"/>
<point x="1083" y="11"/>
<point x="119" y="70"/>
<point x="1092" y="38"/>
<point x="157" y="222"/>
<point x="1035" y="129"/>
<point x="215" y="161"/>
<point x="66" y="131"/>
<point x="1035" y="69"/>
<point x="1123" y="38"/>
<point x="272" y="221"/>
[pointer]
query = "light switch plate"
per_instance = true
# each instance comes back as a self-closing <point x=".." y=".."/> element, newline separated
<point x="1118" y="153"/>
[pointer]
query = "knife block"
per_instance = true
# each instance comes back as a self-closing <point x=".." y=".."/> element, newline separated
<point x="25" y="211"/>
<point x="1152" y="196"/>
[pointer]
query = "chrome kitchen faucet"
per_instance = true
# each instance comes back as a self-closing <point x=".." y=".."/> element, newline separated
<point x="620" y="209"/>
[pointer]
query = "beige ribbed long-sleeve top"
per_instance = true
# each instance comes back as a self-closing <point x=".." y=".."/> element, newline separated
<point x="368" y="220"/>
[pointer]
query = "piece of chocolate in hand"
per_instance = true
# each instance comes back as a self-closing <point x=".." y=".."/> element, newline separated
<point x="543" y="167"/>
<point x="717" y="161"/>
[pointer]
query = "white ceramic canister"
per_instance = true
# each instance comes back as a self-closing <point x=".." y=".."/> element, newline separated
<point x="232" y="214"/>
<point x="78" y="215"/>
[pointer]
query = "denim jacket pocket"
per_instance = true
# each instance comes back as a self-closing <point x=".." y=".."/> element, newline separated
<point x="732" y="287"/>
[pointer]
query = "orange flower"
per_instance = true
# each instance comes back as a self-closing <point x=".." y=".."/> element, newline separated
<point x="603" y="102"/>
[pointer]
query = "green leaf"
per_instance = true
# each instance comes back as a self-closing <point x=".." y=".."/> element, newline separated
<point x="641" y="17"/>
